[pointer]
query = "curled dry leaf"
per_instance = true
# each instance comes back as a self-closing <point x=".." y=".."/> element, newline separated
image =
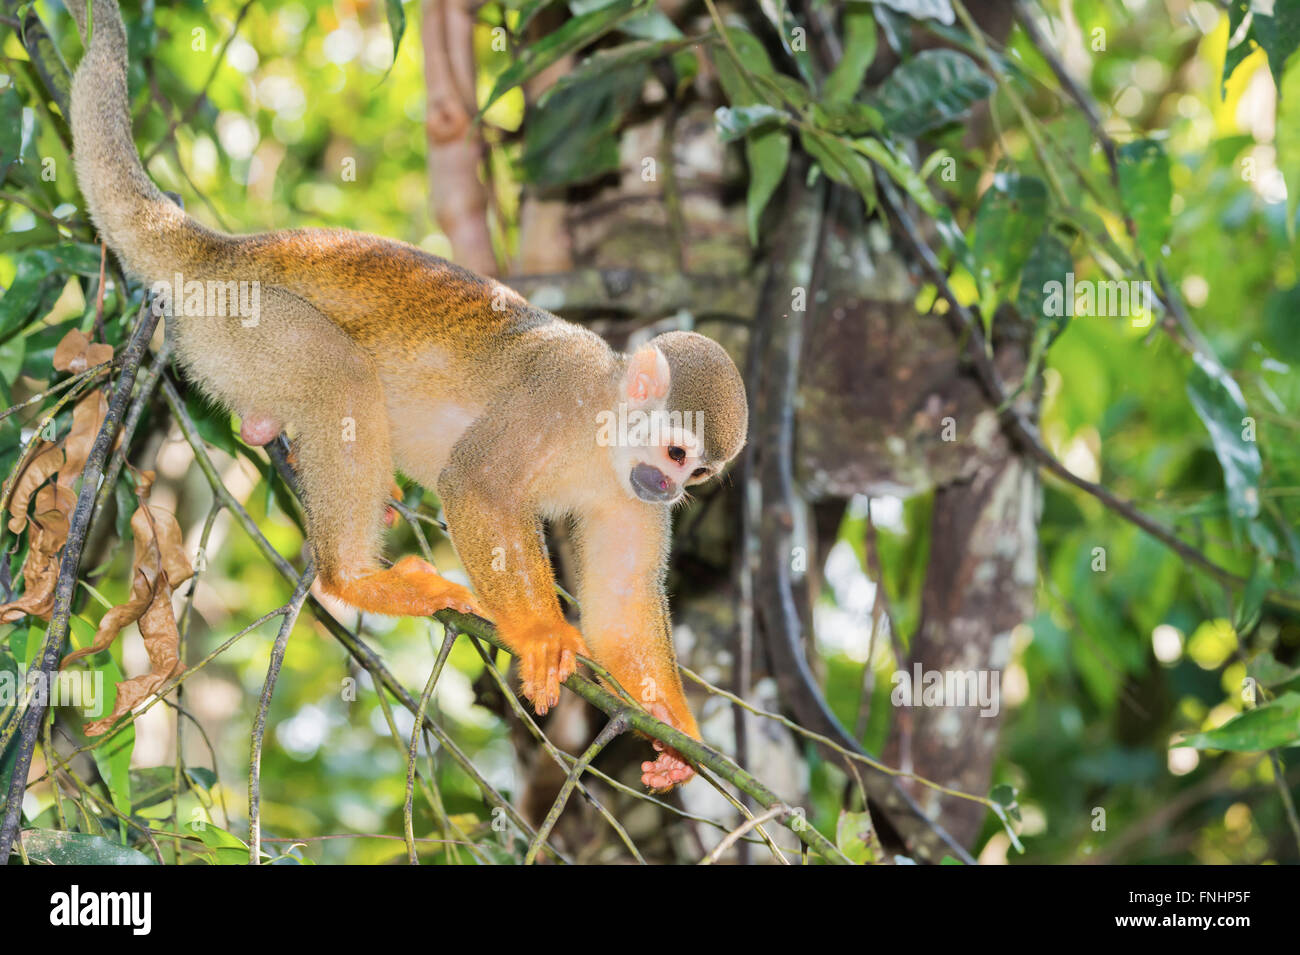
<point x="47" y="535"/>
<point x="159" y="565"/>
<point x="87" y="417"/>
<point x="46" y="461"/>
<point x="76" y="353"/>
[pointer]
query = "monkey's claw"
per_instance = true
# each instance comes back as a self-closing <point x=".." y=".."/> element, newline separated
<point x="548" y="654"/>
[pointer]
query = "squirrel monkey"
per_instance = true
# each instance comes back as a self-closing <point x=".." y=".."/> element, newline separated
<point x="380" y="355"/>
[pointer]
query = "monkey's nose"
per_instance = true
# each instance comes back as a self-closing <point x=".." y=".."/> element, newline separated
<point x="652" y="485"/>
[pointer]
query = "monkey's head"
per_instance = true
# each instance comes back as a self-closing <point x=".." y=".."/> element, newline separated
<point x="682" y="416"/>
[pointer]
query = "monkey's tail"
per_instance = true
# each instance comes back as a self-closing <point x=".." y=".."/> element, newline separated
<point x="150" y="234"/>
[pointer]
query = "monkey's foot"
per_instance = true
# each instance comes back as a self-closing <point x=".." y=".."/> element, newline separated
<point x="259" y="429"/>
<point x="547" y="654"/>
<point x="669" y="769"/>
<point x="410" y="588"/>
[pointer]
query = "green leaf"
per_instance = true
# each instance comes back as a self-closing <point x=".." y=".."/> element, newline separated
<point x="1233" y="55"/>
<point x="652" y="25"/>
<point x="1041" y="298"/>
<point x="396" y="26"/>
<point x="1049" y="261"/>
<point x="733" y="122"/>
<point x="572" y="138"/>
<point x="853" y="834"/>
<point x="855" y="119"/>
<point x="1274" y="725"/>
<point x="1010" y="218"/>
<point x="1269" y="672"/>
<point x="39" y="277"/>
<point x="51" y="847"/>
<point x="932" y="88"/>
<point x="201" y="776"/>
<point x="212" y="423"/>
<point x="12" y="354"/>
<point x="901" y="171"/>
<point x="750" y="81"/>
<point x="572" y="36"/>
<point x="594" y="67"/>
<point x="768" y="155"/>
<point x="785" y="24"/>
<point x="1246" y="615"/>
<point x="859" y="52"/>
<point x="1146" y="191"/>
<point x="527" y="10"/>
<point x="768" y="151"/>
<point x="11" y="128"/>
<point x="153" y="785"/>
<point x="1279" y="35"/>
<point x="227" y="849"/>
<point x="1219" y="403"/>
<point x="1005" y="796"/>
<point x="842" y="163"/>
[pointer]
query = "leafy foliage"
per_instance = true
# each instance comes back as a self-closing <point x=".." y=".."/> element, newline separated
<point x="1127" y="653"/>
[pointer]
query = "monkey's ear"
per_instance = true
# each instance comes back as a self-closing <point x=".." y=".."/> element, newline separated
<point x="648" y="377"/>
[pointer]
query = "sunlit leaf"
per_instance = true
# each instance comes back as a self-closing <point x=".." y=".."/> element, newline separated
<point x="1273" y="725"/>
<point x="50" y="847"/>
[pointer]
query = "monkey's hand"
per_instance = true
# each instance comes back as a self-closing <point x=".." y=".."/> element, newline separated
<point x="669" y="769"/>
<point x="547" y="652"/>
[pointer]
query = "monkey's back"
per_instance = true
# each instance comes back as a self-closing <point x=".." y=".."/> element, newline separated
<point x="386" y="295"/>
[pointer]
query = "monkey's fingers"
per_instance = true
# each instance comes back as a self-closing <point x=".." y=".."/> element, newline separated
<point x="667" y="771"/>
<point x="547" y="656"/>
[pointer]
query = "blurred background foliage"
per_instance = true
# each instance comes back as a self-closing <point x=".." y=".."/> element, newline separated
<point x="1121" y="658"/>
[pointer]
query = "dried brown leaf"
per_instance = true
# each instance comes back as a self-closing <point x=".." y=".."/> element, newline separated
<point x="87" y="417"/>
<point x="159" y="564"/>
<point x="45" y="462"/>
<point x="75" y="353"/>
<point x="48" y="534"/>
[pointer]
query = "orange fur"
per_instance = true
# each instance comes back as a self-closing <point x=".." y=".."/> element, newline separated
<point x="377" y="356"/>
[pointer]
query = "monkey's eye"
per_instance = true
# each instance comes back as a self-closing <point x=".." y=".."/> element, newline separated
<point x="677" y="454"/>
<point x="699" y="472"/>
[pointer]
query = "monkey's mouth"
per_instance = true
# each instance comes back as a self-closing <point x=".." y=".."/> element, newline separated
<point x="652" y="485"/>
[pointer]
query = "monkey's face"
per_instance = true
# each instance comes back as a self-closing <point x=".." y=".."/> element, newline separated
<point x="659" y="471"/>
<point x="659" y="434"/>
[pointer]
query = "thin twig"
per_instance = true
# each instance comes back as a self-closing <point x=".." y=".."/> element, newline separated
<point x="263" y="704"/>
<point x="407" y="808"/>
<point x="612" y="729"/>
<point x="729" y="840"/>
